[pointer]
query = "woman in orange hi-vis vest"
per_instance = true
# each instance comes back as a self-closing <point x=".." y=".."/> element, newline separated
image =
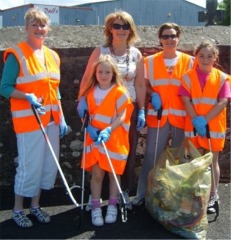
<point x="205" y="92"/>
<point x="32" y="71"/>
<point x="163" y="71"/>
<point x="109" y="109"/>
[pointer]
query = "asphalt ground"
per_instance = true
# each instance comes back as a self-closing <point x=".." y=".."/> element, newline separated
<point x="70" y="222"/>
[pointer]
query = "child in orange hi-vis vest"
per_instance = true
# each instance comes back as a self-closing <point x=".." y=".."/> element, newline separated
<point x="109" y="109"/>
<point x="205" y="92"/>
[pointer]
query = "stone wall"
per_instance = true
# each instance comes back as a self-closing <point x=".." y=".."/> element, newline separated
<point x="73" y="63"/>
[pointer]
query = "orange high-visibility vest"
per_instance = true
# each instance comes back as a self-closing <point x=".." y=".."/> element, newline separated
<point x="101" y="117"/>
<point x="35" y="78"/>
<point x="168" y="89"/>
<point x="203" y="102"/>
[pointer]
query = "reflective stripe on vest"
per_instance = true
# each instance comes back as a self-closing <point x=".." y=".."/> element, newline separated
<point x="215" y="135"/>
<point x="204" y="100"/>
<point x="27" y="78"/>
<point x="165" y="112"/>
<point x="29" y="112"/>
<point x="121" y="100"/>
<point x="114" y="155"/>
<point x="102" y="118"/>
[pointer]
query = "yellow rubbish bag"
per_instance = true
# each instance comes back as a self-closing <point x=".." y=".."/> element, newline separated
<point x="178" y="190"/>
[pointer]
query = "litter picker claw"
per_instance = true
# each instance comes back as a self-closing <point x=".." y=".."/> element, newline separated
<point x="53" y="154"/>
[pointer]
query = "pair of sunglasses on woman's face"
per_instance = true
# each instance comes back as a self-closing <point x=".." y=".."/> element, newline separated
<point x="118" y="26"/>
<point x="165" y="36"/>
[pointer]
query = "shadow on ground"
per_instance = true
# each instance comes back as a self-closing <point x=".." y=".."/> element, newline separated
<point x="67" y="222"/>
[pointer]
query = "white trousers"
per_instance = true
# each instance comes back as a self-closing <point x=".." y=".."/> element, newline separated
<point x="36" y="166"/>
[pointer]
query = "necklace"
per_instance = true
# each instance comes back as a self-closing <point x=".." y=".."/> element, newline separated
<point x="121" y="60"/>
<point x="170" y="68"/>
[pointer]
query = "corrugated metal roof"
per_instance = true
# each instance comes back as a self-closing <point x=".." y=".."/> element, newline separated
<point x="81" y="2"/>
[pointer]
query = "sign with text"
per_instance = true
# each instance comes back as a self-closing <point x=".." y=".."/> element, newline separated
<point x="52" y="12"/>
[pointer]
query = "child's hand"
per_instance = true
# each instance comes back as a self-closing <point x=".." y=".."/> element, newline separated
<point x="199" y="124"/>
<point x="104" y="135"/>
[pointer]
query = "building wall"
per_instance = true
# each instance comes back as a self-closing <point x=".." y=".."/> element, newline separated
<point x="144" y="12"/>
<point x="152" y="12"/>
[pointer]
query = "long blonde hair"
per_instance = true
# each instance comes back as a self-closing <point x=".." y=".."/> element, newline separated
<point x="126" y="18"/>
<point x="92" y="82"/>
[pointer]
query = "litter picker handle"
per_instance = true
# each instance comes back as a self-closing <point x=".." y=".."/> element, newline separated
<point x="36" y="114"/>
<point x="159" y="113"/>
<point x="207" y="131"/>
<point x="85" y="120"/>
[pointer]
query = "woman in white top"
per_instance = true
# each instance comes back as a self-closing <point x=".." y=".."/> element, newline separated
<point x="120" y="34"/>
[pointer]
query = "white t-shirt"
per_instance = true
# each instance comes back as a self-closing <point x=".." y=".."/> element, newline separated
<point x="100" y="94"/>
<point x="170" y="64"/>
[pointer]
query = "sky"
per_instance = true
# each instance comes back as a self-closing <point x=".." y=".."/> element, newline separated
<point x="4" y="4"/>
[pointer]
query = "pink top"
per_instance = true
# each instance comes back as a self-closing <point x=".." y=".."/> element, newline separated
<point x="225" y="91"/>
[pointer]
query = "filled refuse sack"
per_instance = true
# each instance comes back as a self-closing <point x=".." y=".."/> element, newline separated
<point x="178" y="191"/>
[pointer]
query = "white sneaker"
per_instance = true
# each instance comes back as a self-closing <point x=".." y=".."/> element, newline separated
<point x="111" y="215"/>
<point x="96" y="217"/>
<point x="137" y="200"/>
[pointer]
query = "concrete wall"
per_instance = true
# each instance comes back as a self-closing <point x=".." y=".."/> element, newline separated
<point x="73" y="63"/>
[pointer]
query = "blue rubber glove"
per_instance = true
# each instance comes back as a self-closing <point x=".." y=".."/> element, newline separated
<point x="33" y="100"/>
<point x="104" y="135"/>
<point x="199" y="124"/>
<point x="201" y="131"/>
<point x="156" y="101"/>
<point x="94" y="132"/>
<point x="63" y="128"/>
<point x="140" y="120"/>
<point x="82" y="106"/>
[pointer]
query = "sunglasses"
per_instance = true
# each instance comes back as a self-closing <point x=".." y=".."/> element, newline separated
<point x="172" y="36"/>
<point x="119" y="26"/>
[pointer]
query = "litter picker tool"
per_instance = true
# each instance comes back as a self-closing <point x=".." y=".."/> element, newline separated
<point x="53" y="154"/>
<point x="123" y="203"/>
<point x="216" y="204"/>
<point x="159" y="115"/>
<point x="84" y="128"/>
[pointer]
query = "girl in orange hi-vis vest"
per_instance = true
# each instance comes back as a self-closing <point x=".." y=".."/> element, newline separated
<point x="163" y="71"/>
<point x="109" y="109"/>
<point x="205" y="92"/>
<point x="32" y="71"/>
